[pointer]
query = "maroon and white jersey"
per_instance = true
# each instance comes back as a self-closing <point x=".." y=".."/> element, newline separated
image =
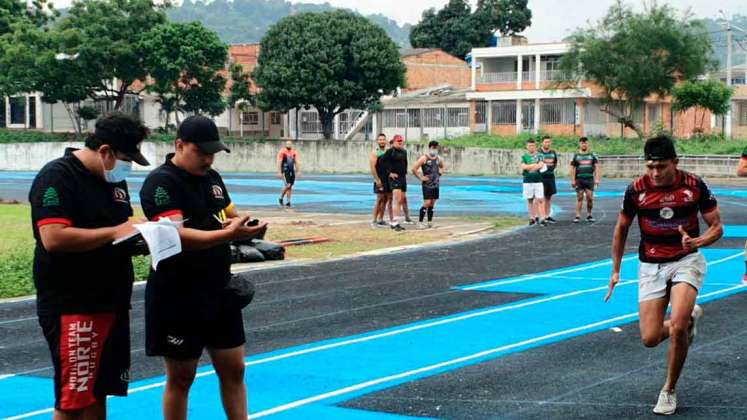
<point x="661" y="211"/>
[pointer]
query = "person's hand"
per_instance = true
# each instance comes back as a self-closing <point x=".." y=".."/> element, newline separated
<point x="573" y="184"/>
<point x="614" y="279"/>
<point x="425" y="178"/>
<point x="596" y="184"/>
<point x="379" y="184"/>
<point x="239" y="231"/>
<point x="280" y="175"/>
<point x="127" y="228"/>
<point x="688" y="243"/>
<point x="393" y="176"/>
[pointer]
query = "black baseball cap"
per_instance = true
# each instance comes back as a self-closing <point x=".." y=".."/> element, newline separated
<point x="659" y="148"/>
<point x="124" y="134"/>
<point x="203" y="132"/>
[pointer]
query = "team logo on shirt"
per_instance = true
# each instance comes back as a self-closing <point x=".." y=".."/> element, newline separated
<point x="218" y="192"/>
<point x="50" y="198"/>
<point x="161" y="197"/>
<point x="666" y="213"/>
<point x="642" y="197"/>
<point x="120" y="195"/>
<point x="688" y="195"/>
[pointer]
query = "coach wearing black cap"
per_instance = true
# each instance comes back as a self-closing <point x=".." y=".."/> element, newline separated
<point x="184" y="313"/>
<point x="79" y="205"/>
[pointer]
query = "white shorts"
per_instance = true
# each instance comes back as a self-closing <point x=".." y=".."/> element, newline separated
<point x="653" y="279"/>
<point x="534" y="190"/>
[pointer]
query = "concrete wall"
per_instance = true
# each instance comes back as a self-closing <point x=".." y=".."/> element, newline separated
<point x="353" y="157"/>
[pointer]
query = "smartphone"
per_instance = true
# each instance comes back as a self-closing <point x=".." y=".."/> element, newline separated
<point x="253" y="222"/>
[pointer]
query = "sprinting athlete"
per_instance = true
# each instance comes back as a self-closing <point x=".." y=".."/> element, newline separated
<point x="289" y="166"/>
<point x="667" y="201"/>
<point x="585" y="175"/>
<point x="381" y="182"/>
<point x="432" y="167"/>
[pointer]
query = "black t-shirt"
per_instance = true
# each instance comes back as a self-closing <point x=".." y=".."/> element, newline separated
<point x="395" y="162"/>
<point x="190" y="277"/>
<point x="661" y="211"/>
<point x="100" y="280"/>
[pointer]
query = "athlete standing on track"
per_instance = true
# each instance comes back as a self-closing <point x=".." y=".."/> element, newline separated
<point x="395" y="162"/>
<point x="666" y="201"/>
<point x="585" y="175"/>
<point x="381" y="182"/>
<point x="550" y="157"/>
<point x="289" y="166"/>
<point x="79" y="206"/>
<point x="185" y="309"/>
<point x="531" y="165"/>
<point x="432" y="167"/>
<point x="742" y="171"/>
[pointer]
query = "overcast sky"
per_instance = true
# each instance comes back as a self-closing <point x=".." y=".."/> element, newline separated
<point x="552" y="20"/>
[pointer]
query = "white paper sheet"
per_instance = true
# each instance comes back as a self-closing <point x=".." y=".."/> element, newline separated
<point x="162" y="238"/>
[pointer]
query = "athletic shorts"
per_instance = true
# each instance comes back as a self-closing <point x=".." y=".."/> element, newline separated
<point x="533" y="190"/>
<point x="548" y="185"/>
<point x="430" y="193"/>
<point x="90" y="354"/>
<point x="654" y="279"/>
<point x="398" y="184"/>
<point x="184" y="334"/>
<point x="290" y="177"/>
<point x="385" y="189"/>
<point x="584" y="184"/>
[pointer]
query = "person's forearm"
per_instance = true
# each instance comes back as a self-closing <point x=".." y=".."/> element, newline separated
<point x="72" y="239"/>
<point x="195" y="239"/>
<point x="711" y="235"/>
<point x="618" y="246"/>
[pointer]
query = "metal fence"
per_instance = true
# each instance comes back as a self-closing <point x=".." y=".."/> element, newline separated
<point x="557" y="111"/>
<point x="499" y="77"/>
<point x="504" y="112"/>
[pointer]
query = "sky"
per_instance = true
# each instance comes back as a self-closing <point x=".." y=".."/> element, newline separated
<point x="552" y="19"/>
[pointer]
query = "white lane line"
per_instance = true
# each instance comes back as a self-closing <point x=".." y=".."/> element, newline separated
<point x="12" y="321"/>
<point x="545" y="275"/>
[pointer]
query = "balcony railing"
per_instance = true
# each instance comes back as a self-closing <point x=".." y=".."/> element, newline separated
<point x="526" y="76"/>
<point x="501" y="77"/>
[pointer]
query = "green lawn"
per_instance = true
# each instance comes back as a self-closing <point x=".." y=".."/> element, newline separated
<point x="17" y="252"/>
<point x="613" y="146"/>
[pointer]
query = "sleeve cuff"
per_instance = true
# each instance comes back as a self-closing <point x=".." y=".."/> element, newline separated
<point x="168" y="213"/>
<point x="54" y="221"/>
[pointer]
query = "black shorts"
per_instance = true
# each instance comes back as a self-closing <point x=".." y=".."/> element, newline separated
<point x="398" y="184"/>
<point x="430" y="193"/>
<point x="584" y="184"/>
<point x="290" y="177"/>
<point x="183" y="333"/>
<point x="90" y="354"/>
<point x="385" y="188"/>
<point x="549" y="186"/>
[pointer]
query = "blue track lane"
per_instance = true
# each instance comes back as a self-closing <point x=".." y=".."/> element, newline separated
<point x="309" y="381"/>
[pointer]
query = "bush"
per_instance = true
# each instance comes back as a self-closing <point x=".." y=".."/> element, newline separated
<point x="28" y="136"/>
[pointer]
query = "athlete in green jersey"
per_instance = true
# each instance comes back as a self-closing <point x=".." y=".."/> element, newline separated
<point x="585" y="174"/>
<point x="532" y="167"/>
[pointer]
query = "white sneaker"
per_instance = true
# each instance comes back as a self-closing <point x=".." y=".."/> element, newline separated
<point x="430" y="225"/>
<point x="667" y="403"/>
<point x="696" y="317"/>
<point x="408" y="222"/>
<point x="421" y="226"/>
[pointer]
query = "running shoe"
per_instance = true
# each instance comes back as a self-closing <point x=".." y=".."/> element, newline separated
<point x="667" y="403"/>
<point x="430" y="225"/>
<point x="280" y="201"/>
<point x="543" y="222"/>
<point x="532" y="222"/>
<point x="576" y="219"/>
<point x="551" y="220"/>
<point x="374" y="225"/>
<point x="409" y="222"/>
<point x="696" y="316"/>
<point x="398" y="228"/>
<point x="381" y="224"/>
<point x="590" y="219"/>
<point x="421" y="226"/>
<point x="288" y="204"/>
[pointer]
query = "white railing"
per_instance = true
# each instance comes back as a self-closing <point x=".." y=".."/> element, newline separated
<point x="501" y="77"/>
<point x="550" y="75"/>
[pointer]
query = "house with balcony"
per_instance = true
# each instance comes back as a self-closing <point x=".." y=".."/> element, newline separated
<point x="735" y="124"/>
<point x="515" y="88"/>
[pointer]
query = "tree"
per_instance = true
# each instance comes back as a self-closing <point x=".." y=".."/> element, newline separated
<point x="37" y="13"/>
<point x="711" y="95"/>
<point x="183" y="61"/>
<point x="106" y="35"/>
<point x="454" y="29"/>
<point x="241" y="93"/>
<point x="506" y="16"/>
<point x="332" y="61"/>
<point x="632" y="56"/>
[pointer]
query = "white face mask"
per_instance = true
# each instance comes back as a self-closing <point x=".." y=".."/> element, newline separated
<point x="119" y="172"/>
<point x="433" y="153"/>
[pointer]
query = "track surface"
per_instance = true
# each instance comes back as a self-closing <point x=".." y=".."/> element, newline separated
<point x="321" y="336"/>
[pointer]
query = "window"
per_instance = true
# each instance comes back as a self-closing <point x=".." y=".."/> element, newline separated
<point x="275" y="118"/>
<point x="32" y="111"/>
<point x="433" y="118"/>
<point x="18" y="110"/>
<point x="2" y="112"/>
<point x="558" y="112"/>
<point x="310" y="122"/>
<point x="654" y="113"/>
<point x="742" y="113"/>
<point x="251" y="118"/>
<point x="504" y="112"/>
<point x="458" y="117"/>
<point x="413" y="117"/>
<point x="395" y="118"/>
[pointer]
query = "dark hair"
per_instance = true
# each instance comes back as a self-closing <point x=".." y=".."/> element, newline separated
<point x="432" y="143"/>
<point x="530" y="141"/>
<point x="546" y="137"/>
<point x="380" y="135"/>
<point x="115" y="127"/>
<point x="659" y="148"/>
<point x="582" y="139"/>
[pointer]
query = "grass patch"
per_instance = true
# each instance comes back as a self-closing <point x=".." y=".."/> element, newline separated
<point x="30" y="136"/>
<point x="707" y="145"/>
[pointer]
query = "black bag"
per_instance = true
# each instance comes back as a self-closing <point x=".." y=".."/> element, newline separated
<point x="270" y="250"/>
<point x="248" y="254"/>
<point x="239" y="291"/>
